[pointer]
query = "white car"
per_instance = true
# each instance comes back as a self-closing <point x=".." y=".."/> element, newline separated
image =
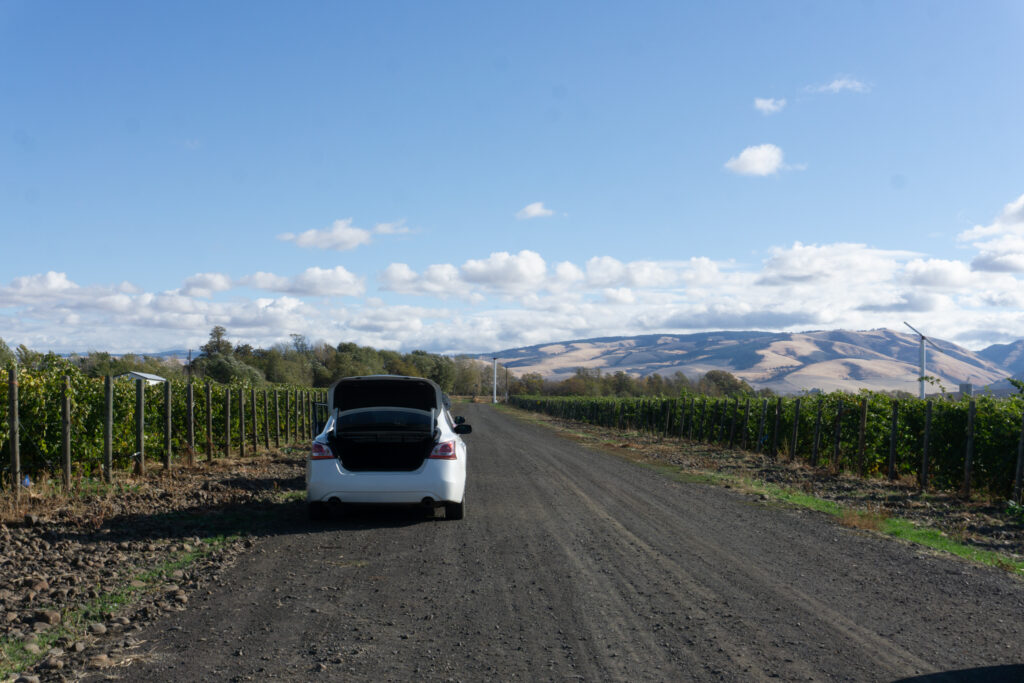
<point x="388" y="439"/>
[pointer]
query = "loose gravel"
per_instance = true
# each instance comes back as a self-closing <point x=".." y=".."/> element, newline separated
<point x="82" y="575"/>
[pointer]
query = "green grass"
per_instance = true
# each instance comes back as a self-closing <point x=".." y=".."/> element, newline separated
<point x="932" y="538"/>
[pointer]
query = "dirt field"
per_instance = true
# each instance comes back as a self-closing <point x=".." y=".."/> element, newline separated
<point x="571" y="564"/>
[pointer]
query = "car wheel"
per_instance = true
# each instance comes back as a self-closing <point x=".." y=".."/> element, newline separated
<point x="318" y="511"/>
<point x="455" y="510"/>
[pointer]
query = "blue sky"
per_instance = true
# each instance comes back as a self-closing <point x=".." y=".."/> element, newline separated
<point x="467" y="177"/>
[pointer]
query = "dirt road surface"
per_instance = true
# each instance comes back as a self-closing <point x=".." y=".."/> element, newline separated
<point x="573" y="564"/>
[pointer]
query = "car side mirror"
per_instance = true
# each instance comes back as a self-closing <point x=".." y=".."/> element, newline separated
<point x="463" y="429"/>
<point x="460" y="420"/>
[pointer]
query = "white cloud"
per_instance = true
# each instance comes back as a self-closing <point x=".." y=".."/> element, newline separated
<point x="769" y="105"/>
<point x="399" y="277"/>
<point x="205" y="284"/>
<point x="341" y="236"/>
<point x="337" y="281"/>
<point x="439" y="280"/>
<point x="507" y="272"/>
<point x="567" y="275"/>
<point x="606" y="271"/>
<point x="1001" y="243"/>
<point x="818" y="264"/>
<point x="620" y="295"/>
<point x="939" y="273"/>
<point x="535" y="210"/>
<point x="516" y="298"/>
<point x="759" y="160"/>
<point x="395" y="228"/>
<point x="841" y="84"/>
<point x="44" y="283"/>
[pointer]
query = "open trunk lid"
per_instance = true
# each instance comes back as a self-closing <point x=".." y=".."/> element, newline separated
<point x="384" y="423"/>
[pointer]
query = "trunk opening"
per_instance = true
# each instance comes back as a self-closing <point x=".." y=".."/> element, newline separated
<point x="382" y="451"/>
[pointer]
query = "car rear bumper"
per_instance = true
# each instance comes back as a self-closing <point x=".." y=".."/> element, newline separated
<point x="437" y="480"/>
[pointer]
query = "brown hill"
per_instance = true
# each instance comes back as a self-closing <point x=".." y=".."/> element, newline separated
<point x="881" y="360"/>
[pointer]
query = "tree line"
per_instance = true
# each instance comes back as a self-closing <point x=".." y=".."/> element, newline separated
<point x="299" y="363"/>
<point x="592" y="382"/>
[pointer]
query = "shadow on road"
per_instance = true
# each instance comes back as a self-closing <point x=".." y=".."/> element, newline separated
<point x="1007" y="673"/>
<point x="250" y="518"/>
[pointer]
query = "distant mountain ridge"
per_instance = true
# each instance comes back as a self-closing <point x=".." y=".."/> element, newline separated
<point x="880" y="360"/>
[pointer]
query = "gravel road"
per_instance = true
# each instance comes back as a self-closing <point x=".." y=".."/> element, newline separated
<point x="574" y="564"/>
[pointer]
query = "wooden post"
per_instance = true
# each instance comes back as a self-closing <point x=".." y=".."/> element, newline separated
<point x="241" y="422"/>
<point x="732" y="421"/>
<point x="209" y="422"/>
<point x="712" y="419"/>
<point x="287" y="416"/>
<point x="309" y="412"/>
<point x="862" y="437"/>
<point x="266" y="422"/>
<point x="893" y="429"/>
<point x="690" y="417"/>
<point x="108" y="429"/>
<point x="924" y="448"/>
<point x="140" y="427"/>
<point x="12" y="413"/>
<point x="723" y="404"/>
<point x="1020" y="463"/>
<point x="775" y="428"/>
<point x="816" y="448"/>
<point x="227" y="422"/>
<point x="796" y="430"/>
<point x="190" y="422"/>
<point x="167" y="425"/>
<point x="277" y="421"/>
<point x="746" y="425"/>
<point x="711" y="411"/>
<point x="298" y="413"/>
<point x="703" y="415"/>
<point x="965" y="490"/>
<point x="761" y="424"/>
<point x="837" y="438"/>
<point x="255" y="421"/>
<point x="305" y="415"/>
<point x="65" y="430"/>
<point x="252" y="396"/>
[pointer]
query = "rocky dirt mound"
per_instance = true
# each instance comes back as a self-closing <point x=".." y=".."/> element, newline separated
<point x="81" y="574"/>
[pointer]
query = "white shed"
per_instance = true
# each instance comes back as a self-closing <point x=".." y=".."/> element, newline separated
<point x="144" y="376"/>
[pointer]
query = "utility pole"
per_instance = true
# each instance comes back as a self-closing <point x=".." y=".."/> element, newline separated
<point x="494" y="384"/>
<point x="922" y="355"/>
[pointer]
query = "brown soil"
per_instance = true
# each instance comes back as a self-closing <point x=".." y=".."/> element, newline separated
<point x="143" y="539"/>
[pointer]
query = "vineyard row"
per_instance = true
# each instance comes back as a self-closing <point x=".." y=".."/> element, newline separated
<point x="53" y="422"/>
<point x="945" y="444"/>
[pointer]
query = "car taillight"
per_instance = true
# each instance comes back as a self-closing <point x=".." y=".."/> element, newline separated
<point x="320" y="452"/>
<point x="444" y="451"/>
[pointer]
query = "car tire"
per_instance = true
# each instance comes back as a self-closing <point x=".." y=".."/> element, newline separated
<point x="455" y="510"/>
<point x="318" y="511"/>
